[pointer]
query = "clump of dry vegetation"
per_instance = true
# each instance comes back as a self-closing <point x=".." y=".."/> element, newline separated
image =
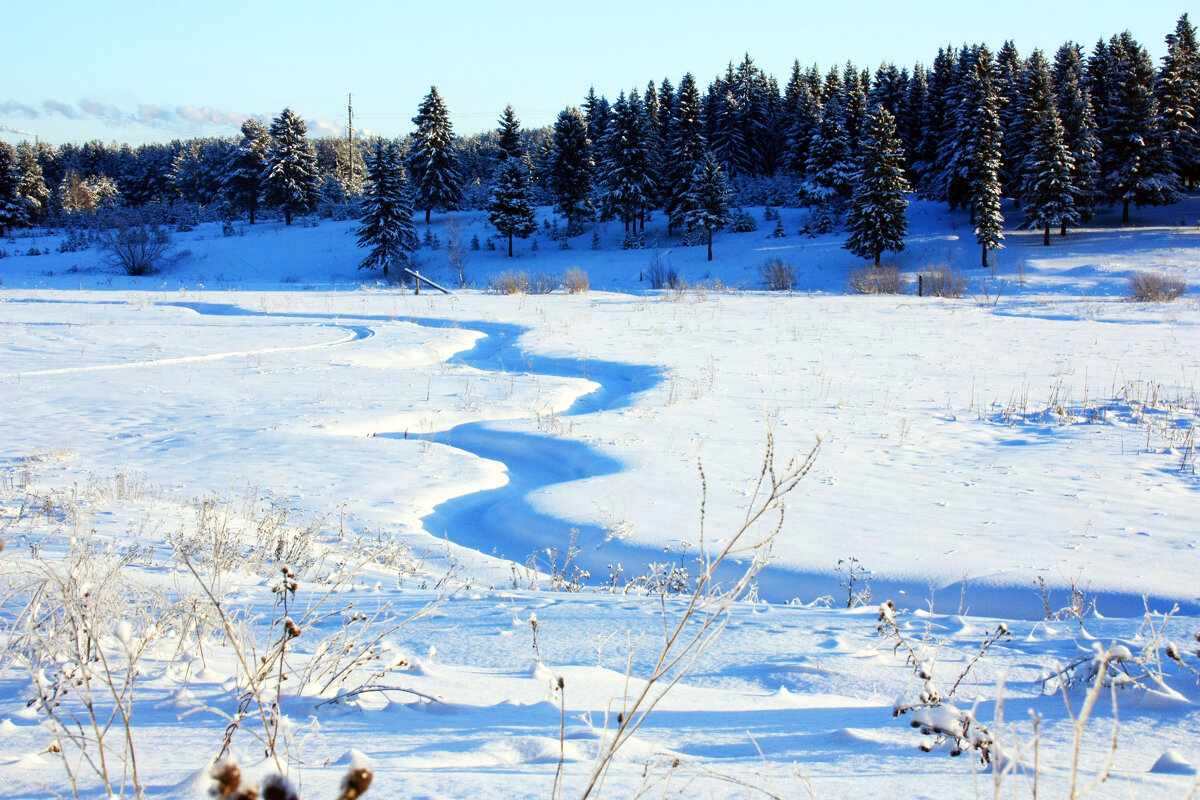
<point x="1155" y="287"/>
<point x="878" y="280"/>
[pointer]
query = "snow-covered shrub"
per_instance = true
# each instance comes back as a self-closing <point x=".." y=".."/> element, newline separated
<point x="137" y="248"/>
<point x="942" y="283"/>
<point x="575" y="281"/>
<point x="1155" y="287"/>
<point x="778" y="275"/>
<point x="511" y="282"/>
<point x="661" y="275"/>
<point x="877" y="280"/>
<point x="542" y="283"/>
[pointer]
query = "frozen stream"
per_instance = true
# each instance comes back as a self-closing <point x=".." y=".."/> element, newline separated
<point x="503" y="522"/>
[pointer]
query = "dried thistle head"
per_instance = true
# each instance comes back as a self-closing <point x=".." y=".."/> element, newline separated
<point x="277" y="787"/>
<point x="228" y="777"/>
<point x="355" y="783"/>
<point x="560" y="681"/>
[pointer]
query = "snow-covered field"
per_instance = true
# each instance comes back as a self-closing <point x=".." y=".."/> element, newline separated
<point x="403" y="450"/>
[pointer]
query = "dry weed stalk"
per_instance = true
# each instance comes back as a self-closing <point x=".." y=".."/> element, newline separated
<point x="932" y="712"/>
<point x="706" y="612"/>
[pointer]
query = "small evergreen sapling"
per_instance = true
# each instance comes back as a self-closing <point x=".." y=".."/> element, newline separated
<point x="709" y="200"/>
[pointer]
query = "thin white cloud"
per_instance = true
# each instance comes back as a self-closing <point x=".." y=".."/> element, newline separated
<point x="57" y="107"/>
<point x="11" y="108"/>
<point x="326" y="128"/>
<point x="103" y="111"/>
<point x="153" y="115"/>
<point x="208" y="116"/>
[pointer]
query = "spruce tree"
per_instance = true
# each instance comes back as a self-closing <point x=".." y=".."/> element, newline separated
<point x="509" y="134"/>
<point x="981" y="113"/>
<point x="571" y="169"/>
<point x="12" y="208"/>
<point x="830" y="165"/>
<point x="511" y="208"/>
<point x="876" y="218"/>
<point x="290" y="183"/>
<point x="243" y="185"/>
<point x="1047" y="170"/>
<point x="1079" y="126"/>
<point x="628" y="177"/>
<point x="1138" y="161"/>
<point x="387" y="223"/>
<point x="32" y="188"/>
<point x="1178" y="94"/>
<point x="686" y="150"/>
<point x="709" y="201"/>
<point x="432" y="159"/>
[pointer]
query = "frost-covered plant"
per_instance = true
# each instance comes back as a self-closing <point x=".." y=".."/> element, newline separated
<point x="692" y="630"/>
<point x="1155" y="287"/>
<point x="778" y="275"/>
<point x="942" y="283"/>
<point x="575" y="280"/>
<point x="511" y="283"/>
<point x="877" y="280"/>
<point x="136" y="249"/>
<point x="931" y="711"/>
<point x="856" y="580"/>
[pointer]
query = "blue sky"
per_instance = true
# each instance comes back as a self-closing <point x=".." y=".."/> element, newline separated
<point x="152" y="71"/>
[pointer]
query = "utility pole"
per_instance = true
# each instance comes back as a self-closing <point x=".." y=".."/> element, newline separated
<point x="350" y="129"/>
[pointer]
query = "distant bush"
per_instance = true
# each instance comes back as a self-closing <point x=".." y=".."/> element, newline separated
<point x="542" y="283"/>
<point x="662" y="276"/>
<point x="943" y="283"/>
<point x="510" y="282"/>
<point x="137" y="249"/>
<point x="1155" y="287"/>
<point x="877" y="280"/>
<point x="778" y="275"/>
<point x="741" y="222"/>
<point x="575" y="281"/>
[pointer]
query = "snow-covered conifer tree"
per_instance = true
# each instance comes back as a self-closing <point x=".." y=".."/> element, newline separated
<point x="432" y="159"/>
<point x="32" y="188"/>
<point x="13" y="211"/>
<point x="291" y="170"/>
<point x="387" y="227"/>
<point x="243" y="183"/>
<point x="983" y="182"/>
<point x="830" y="165"/>
<point x="509" y="134"/>
<point x="876" y="217"/>
<point x="709" y="202"/>
<point x="686" y="150"/>
<point x="1178" y="93"/>
<point x="1137" y="160"/>
<point x="511" y="209"/>
<point x="1049" y="197"/>
<point x="571" y="169"/>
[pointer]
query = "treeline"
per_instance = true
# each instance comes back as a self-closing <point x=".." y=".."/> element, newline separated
<point x="1058" y="133"/>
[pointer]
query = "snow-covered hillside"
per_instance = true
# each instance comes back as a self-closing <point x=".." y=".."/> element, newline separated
<point x="984" y="460"/>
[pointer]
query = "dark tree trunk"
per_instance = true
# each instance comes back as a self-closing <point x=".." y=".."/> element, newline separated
<point x="985" y="249"/>
<point x="1124" y="212"/>
<point x="878" y="254"/>
<point x="510" y="238"/>
<point x="427" y="211"/>
<point x="710" y="244"/>
<point x="1062" y="231"/>
<point x="1046" y="236"/>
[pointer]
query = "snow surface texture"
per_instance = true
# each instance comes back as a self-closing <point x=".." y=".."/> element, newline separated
<point x="970" y="448"/>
